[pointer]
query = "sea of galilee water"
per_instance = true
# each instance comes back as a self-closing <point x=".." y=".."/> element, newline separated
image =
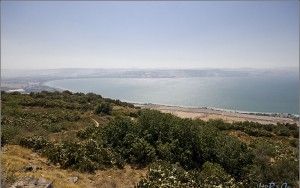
<point x="278" y="94"/>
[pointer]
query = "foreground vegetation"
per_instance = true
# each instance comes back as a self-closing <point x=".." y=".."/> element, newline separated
<point x="178" y="152"/>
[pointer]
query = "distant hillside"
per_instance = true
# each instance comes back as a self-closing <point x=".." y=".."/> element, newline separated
<point x="138" y="73"/>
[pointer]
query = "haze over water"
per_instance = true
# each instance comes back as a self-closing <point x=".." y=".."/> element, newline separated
<point x="251" y="93"/>
<point x="161" y="35"/>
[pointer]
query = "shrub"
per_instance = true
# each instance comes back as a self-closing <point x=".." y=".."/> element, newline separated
<point x="295" y="134"/>
<point x="67" y="92"/>
<point x="257" y="132"/>
<point x="213" y="175"/>
<point x="70" y="154"/>
<point x="294" y="143"/>
<point x="87" y="156"/>
<point x="283" y="171"/>
<point x="88" y="132"/>
<point x="115" y="132"/>
<point x="72" y="117"/>
<point x="220" y="124"/>
<point x="163" y="174"/>
<point x="233" y="155"/>
<point x="103" y="108"/>
<point x="8" y="134"/>
<point x="54" y="127"/>
<point x="37" y="143"/>
<point x="142" y="152"/>
<point x="134" y="114"/>
<point x="165" y="151"/>
<point x="286" y="170"/>
<point x="282" y="131"/>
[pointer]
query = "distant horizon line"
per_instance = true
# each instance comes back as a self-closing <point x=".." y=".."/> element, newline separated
<point x="156" y="68"/>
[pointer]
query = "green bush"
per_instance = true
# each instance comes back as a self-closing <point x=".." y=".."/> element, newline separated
<point x="257" y="132"/>
<point x="166" y="175"/>
<point x="103" y="108"/>
<point x="213" y="175"/>
<point x="282" y="131"/>
<point x="283" y="171"/>
<point x="295" y="134"/>
<point x="88" y="132"/>
<point x="87" y="156"/>
<point x="37" y="143"/>
<point x="165" y="151"/>
<point x="115" y="132"/>
<point x="8" y="134"/>
<point x="233" y="155"/>
<point x="294" y="143"/>
<point x="54" y="128"/>
<point x="142" y="152"/>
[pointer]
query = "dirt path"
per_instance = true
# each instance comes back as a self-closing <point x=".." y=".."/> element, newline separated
<point x="96" y="122"/>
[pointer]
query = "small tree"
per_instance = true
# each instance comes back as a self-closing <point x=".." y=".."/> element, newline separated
<point x="104" y="108"/>
<point x="213" y="175"/>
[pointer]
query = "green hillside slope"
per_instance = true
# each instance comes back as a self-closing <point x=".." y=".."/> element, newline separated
<point x="86" y="133"/>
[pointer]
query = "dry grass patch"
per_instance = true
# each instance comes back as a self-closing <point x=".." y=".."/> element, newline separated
<point x="15" y="158"/>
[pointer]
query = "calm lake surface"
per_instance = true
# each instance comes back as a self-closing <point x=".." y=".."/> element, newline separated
<point x="250" y="93"/>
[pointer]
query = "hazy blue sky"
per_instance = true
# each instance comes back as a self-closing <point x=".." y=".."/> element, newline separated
<point x="231" y="34"/>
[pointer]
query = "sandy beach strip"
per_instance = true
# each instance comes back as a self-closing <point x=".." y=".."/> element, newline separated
<point x="207" y="113"/>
